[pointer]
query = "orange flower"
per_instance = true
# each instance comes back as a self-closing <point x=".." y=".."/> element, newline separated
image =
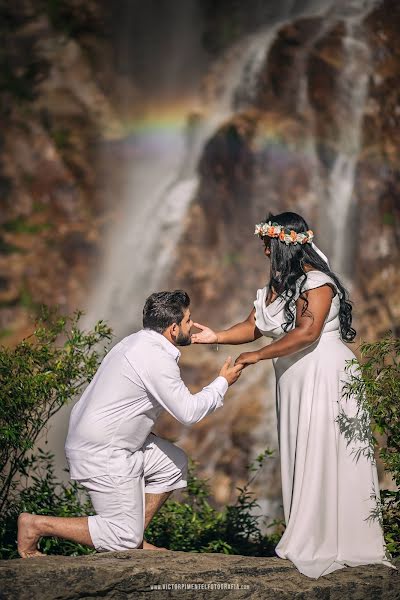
<point x="271" y="231"/>
<point x="293" y="235"/>
<point x="282" y="236"/>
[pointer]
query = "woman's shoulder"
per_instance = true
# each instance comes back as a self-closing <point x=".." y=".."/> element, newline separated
<point x="315" y="279"/>
<point x="317" y="275"/>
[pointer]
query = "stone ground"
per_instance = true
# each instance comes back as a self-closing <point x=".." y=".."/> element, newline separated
<point x="126" y="575"/>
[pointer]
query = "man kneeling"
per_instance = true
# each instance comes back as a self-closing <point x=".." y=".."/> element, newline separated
<point x="128" y="471"/>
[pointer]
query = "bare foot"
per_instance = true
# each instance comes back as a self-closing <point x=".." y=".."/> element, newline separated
<point x="147" y="546"/>
<point x="27" y="536"/>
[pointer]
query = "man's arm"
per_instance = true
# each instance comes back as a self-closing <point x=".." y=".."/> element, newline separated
<point x="162" y="380"/>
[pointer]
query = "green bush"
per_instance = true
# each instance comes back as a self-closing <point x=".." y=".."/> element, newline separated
<point x="40" y="493"/>
<point x="375" y="383"/>
<point x="193" y="525"/>
<point x="37" y="377"/>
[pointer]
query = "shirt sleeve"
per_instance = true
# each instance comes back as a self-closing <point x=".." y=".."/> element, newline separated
<point x="162" y="380"/>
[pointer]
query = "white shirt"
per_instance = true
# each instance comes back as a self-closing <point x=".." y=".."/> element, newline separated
<point x="137" y="379"/>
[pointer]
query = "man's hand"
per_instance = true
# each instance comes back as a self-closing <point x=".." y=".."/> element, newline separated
<point x="231" y="374"/>
<point x="206" y="335"/>
<point x="247" y="358"/>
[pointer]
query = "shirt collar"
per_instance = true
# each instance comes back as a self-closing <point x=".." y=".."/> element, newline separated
<point x="169" y="347"/>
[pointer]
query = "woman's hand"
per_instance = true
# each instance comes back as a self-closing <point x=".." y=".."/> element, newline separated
<point x="206" y="335"/>
<point x="248" y="358"/>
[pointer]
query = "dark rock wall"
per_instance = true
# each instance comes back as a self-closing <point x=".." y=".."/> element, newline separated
<point x="54" y="112"/>
<point x="58" y="104"/>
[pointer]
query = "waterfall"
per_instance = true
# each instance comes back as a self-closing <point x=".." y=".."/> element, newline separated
<point x="352" y="92"/>
<point x="162" y="180"/>
<point x="336" y="187"/>
<point x="160" y="186"/>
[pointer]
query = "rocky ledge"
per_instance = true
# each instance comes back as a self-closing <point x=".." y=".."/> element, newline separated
<point x="145" y="574"/>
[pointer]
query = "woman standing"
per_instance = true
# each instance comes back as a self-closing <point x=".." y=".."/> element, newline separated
<point x="328" y="493"/>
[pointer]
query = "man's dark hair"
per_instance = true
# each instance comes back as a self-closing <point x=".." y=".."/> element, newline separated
<point x="162" y="309"/>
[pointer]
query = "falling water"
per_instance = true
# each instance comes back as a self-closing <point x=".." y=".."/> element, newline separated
<point x="352" y="91"/>
<point x="336" y="187"/>
<point x="162" y="178"/>
<point x="161" y="184"/>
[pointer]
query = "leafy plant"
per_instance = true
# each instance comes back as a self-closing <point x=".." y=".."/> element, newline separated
<point x="194" y="525"/>
<point x="375" y="384"/>
<point x="37" y="377"/>
<point x="61" y="138"/>
<point x="191" y="525"/>
<point x="40" y="493"/>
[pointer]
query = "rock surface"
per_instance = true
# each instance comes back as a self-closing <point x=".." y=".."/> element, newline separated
<point x="125" y="575"/>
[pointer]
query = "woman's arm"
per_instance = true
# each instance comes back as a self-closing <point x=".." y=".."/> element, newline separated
<point x="243" y="332"/>
<point x="309" y="325"/>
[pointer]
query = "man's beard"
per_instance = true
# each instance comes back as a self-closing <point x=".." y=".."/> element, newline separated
<point x="183" y="340"/>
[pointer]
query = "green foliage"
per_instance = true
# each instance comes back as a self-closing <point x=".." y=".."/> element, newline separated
<point x="375" y="383"/>
<point x="193" y="525"/>
<point x="7" y="248"/>
<point x="37" y="377"/>
<point x="42" y="494"/>
<point x="389" y="218"/>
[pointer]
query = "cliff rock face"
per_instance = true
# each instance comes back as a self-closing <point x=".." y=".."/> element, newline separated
<point x="54" y="113"/>
<point x="140" y="574"/>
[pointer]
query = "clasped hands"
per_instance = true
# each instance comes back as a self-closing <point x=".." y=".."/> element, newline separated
<point x="208" y="336"/>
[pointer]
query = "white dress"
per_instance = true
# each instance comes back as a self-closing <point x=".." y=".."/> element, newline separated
<point x="327" y="493"/>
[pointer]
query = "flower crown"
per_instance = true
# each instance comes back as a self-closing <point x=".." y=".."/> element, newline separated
<point x="288" y="236"/>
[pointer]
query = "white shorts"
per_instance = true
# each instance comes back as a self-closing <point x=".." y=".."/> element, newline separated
<point x="119" y="501"/>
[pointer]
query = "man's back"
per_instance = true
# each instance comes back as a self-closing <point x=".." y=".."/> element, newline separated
<point x="136" y="380"/>
<point x="115" y="413"/>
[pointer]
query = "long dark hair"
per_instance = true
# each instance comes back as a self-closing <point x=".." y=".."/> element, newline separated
<point x="287" y="267"/>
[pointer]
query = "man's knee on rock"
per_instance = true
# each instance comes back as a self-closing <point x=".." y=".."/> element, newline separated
<point x="113" y="536"/>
